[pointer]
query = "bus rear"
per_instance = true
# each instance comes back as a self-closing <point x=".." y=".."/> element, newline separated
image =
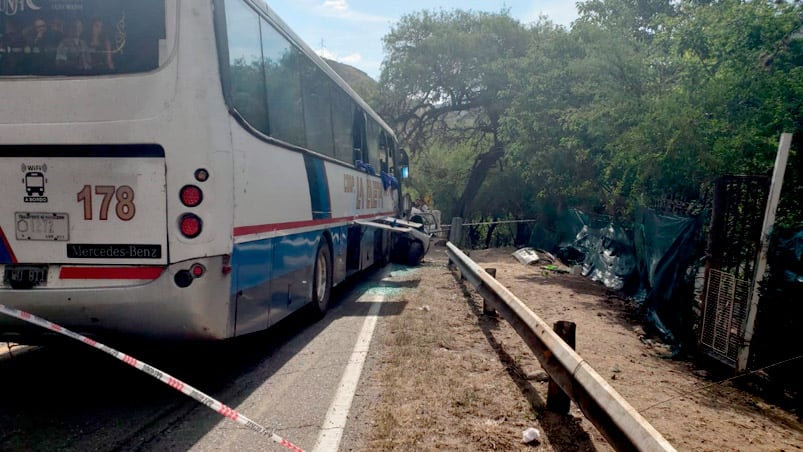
<point x="109" y="223"/>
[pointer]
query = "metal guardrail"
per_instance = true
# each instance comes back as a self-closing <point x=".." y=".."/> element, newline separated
<point x="620" y="423"/>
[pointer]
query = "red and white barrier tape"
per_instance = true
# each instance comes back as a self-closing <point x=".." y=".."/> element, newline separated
<point x="165" y="378"/>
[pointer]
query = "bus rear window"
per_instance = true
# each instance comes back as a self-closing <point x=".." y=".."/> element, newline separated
<point x="80" y="37"/>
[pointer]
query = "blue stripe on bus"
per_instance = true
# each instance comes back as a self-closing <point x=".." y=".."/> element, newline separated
<point x="272" y="279"/>
<point x="84" y="151"/>
<point x="318" y="188"/>
<point x="258" y="262"/>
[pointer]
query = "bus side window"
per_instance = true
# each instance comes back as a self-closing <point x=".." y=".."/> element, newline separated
<point x="317" y="103"/>
<point x="245" y="65"/>
<point x="282" y="65"/>
<point x="391" y="154"/>
<point x="360" y="153"/>
<point x="372" y="151"/>
<point x="343" y="123"/>
<point x="383" y="152"/>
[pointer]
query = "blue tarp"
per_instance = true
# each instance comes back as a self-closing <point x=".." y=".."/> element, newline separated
<point x="788" y="255"/>
<point x="649" y="262"/>
<point x="779" y="325"/>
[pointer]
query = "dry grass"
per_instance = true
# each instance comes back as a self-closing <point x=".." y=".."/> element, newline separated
<point x="442" y="384"/>
<point x="443" y="377"/>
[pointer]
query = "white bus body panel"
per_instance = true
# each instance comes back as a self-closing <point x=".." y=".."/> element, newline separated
<point x="50" y="225"/>
<point x="190" y="121"/>
<point x="271" y="182"/>
<point x="263" y="220"/>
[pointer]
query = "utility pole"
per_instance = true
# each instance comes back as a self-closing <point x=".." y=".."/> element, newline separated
<point x="761" y="259"/>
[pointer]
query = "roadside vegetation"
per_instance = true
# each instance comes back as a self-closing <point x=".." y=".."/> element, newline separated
<point x="443" y="376"/>
<point x="638" y="101"/>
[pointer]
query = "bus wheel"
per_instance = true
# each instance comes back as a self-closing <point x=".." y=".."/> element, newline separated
<point x="415" y="253"/>
<point x="321" y="280"/>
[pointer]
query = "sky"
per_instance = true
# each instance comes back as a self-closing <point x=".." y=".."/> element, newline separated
<point x="351" y="31"/>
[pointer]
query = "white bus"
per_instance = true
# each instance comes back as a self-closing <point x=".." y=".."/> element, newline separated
<point x="182" y="169"/>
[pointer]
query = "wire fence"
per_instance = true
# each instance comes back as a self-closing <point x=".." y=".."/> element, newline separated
<point x="488" y="234"/>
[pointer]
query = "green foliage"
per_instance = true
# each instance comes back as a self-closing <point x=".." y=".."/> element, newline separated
<point x="639" y="100"/>
<point x="441" y="171"/>
<point x="446" y="81"/>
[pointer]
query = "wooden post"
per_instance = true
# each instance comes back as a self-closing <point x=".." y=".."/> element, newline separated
<point x="557" y="401"/>
<point x="617" y="420"/>
<point x="456" y="231"/>
<point x="761" y="265"/>
<point x="486" y="308"/>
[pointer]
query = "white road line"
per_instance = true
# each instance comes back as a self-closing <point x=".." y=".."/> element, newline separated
<point x="336" y="417"/>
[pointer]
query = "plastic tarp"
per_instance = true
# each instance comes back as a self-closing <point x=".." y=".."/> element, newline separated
<point x="788" y="255"/>
<point x="604" y="249"/>
<point x="649" y="262"/>
<point x="779" y="325"/>
<point x="666" y="251"/>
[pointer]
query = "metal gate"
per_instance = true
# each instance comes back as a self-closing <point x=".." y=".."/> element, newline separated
<point x="734" y="241"/>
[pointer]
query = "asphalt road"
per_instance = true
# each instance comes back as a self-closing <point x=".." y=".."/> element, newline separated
<point x="75" y="398"/>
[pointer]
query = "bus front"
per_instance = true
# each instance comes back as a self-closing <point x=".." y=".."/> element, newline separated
<point x="110" y="169"/>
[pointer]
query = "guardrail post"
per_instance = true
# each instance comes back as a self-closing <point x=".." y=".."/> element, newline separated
<point x="617" y="420"/>
<point x="456" y="231"/>
<point x="557" y="401"/>
<point x="486" y="307"/>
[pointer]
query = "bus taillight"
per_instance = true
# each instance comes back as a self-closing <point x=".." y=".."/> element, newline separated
<point x="190" y="225"/>
<point x="191" y="196"/>
<point x="226" y="267"/>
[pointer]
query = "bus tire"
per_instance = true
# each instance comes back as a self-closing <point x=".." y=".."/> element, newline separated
<point x="321" y="280"/>
<point x="415" y="253"/>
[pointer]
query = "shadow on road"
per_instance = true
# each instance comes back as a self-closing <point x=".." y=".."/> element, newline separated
<point x="71" y="397"/>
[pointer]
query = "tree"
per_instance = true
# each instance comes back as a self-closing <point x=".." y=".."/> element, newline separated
<point x="685" y="91"/>
<point x="552" y="89"/>
<point x="641" y="99"/>
<point x="446" y="78"/>
<point x="735" y="86"/>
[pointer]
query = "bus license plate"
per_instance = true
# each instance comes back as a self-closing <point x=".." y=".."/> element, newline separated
<point x="25" y="276"/>
<point x="42" y="226"/>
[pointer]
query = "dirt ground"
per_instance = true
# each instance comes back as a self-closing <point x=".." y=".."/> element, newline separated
<point x="442" y="376"/>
